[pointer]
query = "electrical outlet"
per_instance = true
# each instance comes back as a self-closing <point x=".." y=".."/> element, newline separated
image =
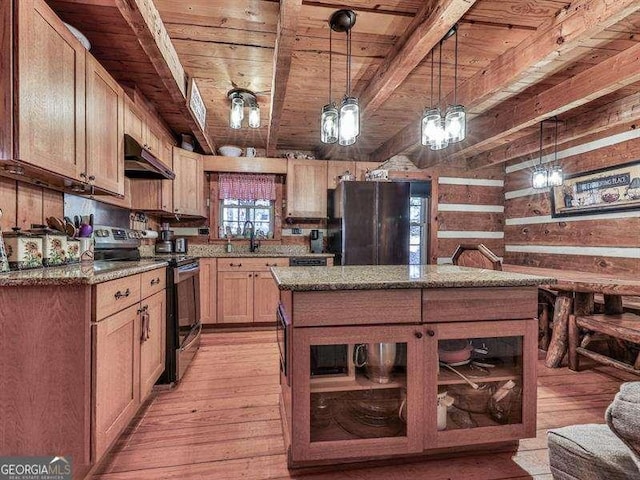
<point x="296" y="231"/>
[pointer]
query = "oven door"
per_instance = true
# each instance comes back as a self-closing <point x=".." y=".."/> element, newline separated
<point x="283" y="329"/>
<point x="187" y="308"/>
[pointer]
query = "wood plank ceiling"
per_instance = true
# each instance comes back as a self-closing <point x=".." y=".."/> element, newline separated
<point x="511" y="53"/>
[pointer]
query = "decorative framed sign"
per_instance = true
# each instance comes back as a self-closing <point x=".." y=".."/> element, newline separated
<point x="196" y="104"/>
<point x="598" y="191"/>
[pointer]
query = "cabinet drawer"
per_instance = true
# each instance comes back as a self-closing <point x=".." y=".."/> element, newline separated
<point x="250" y="264"/>
<point x="471" y="304"/>
<point x="153" y="282"/>
<point x="113" y="296"/>
<point x="357" y="307"/>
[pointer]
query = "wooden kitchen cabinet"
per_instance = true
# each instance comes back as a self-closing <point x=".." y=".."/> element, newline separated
<point x="336" y="168"/>
<point x="152" y="341"/>
<point x="138" y="126"/>
<point x="155" y="195"/>
<point x="49" y="79"/>
<point x="208" y="290"/>
<point x="362" y="167"/>
<point x="188" y="186"/>
<point x="116" y="376"/>
<point x="247" y="293"/>
<point x="306" y="188"/>
<point x="104" y="129"/>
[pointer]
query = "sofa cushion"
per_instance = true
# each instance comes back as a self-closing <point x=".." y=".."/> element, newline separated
<point x="623" y="417"/>
<point x="590" y="452"/>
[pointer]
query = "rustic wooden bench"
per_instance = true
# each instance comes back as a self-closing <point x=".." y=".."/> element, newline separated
<point x="621" y="326"/>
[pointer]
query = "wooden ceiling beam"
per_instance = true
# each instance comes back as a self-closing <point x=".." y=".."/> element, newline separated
<point x="285" y="39"/>
<point x="601" y="119"/>
<point x="144" y="20"/>
<point x="533" y="59"/>
<point x="487" y="130"/>
<point x="428" y="27"/>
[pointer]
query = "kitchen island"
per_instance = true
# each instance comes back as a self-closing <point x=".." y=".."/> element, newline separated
<point x="394" y="361"/>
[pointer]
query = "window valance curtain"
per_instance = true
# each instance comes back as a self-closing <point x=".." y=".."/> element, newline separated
<point x="247" y="186"/>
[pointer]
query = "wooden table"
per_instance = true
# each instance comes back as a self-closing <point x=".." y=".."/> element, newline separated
<point x="577" y="289"/>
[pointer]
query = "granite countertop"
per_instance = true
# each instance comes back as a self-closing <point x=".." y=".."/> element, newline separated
<point x="218" y="251"/>
<point x="78" y="274"/>
<point x="378" y="277"/>
<point x="259" y="255"/>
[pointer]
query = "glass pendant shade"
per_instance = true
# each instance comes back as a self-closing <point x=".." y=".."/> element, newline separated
<point x="237" y="112"/>
<point x="329" y="124"/>
<point x="455" y="123"/>
<point x="539" y="177"/>
<point x="431" y="121"/>
<point x="349" y="126"/>
<point x="555" y="176"/>
<point x="254" y="116"/>
<point x="438" y="136"/>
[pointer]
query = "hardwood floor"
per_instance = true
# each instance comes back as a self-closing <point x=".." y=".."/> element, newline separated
<point x="223" y="422"/>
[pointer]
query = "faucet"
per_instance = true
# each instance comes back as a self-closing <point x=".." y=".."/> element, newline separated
<point x="253" y="246"/>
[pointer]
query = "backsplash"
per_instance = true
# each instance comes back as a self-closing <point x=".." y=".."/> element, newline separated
<point x="204" y="250"/>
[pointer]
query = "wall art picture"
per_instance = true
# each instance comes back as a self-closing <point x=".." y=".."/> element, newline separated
<point x="598" y="191"/>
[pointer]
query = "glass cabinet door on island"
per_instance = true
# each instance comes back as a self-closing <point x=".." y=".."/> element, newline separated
<point x="358" y="389"/>
<point x="483" y="388"/>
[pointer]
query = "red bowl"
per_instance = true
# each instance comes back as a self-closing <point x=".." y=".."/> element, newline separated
<point x="455" y="355"/>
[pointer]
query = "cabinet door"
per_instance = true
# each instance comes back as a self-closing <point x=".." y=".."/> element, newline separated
<point x="235" y="297"/>
<point x="133" y="122"/>
<point x="152" y="141"/>
<point x="336" y="168"/>
<point x="51" y="92"/>
<point x="499" y="358"/>
<point x="358" y="392"/>
<point x="104" y="129"/>
<point x="265" y="297"/>
<point x="208" y="290"/>
<point x="152" y="338"/>
<point x="187" y="186"/>
<point x="306" y="188"/>
<point x="116" y="376"/>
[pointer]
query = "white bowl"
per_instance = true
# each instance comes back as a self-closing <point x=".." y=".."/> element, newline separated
<point x="79" y="35"/>
<point x="230" y="151"/>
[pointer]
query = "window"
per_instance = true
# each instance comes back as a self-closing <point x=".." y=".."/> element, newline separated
<point x="419" y="231"/>
<point x="234" y="214"/>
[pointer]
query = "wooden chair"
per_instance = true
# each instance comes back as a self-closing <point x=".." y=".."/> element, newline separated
<point x="477" y="256"/>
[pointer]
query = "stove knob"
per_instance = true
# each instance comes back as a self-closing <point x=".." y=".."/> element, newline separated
<point x="138" y="234"/>
<point x="102" y="233"/>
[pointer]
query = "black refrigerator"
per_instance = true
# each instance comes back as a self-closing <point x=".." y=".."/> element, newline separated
<point x="369" y="224"/>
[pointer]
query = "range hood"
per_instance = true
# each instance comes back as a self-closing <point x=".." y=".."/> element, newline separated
<point x="141" y="163"/>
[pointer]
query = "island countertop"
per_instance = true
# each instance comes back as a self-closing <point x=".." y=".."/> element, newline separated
<point x="378" y="277"/>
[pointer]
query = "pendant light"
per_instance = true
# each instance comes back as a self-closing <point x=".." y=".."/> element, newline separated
<point x="431" y="117"/>
<point x="439" y="139"/>
<point x="455" y="122"/>
<point x="555" y="176"/>
<point x="346" y="121"/>
<point x="539" y="176"/>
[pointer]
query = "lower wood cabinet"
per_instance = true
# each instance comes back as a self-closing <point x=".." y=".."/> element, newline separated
<point x="128" y="354"/>
<point x="247" y="293"/>
<point x="208" y="291"/>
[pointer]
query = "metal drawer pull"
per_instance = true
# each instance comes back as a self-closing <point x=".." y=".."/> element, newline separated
<point x="234" y="265"/>
<point x="155" y="281"/>
<point x="120" y="295"/>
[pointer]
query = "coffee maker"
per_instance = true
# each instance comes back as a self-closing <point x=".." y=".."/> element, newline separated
<point x="316" y="241"/>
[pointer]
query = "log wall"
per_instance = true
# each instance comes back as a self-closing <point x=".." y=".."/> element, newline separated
<point x="599" y="243"/>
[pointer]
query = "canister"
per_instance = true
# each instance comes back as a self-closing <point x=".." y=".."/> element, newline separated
<point x="73" y="250"/>
<point x="54" y="246"/>
<point x="24" y="250"/>
<point x="4" y="261"/>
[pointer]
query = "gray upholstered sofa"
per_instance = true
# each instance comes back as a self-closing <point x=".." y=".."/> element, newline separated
<point x="601" y="452"/>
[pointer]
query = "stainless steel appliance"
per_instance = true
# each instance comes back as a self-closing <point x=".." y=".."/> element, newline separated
<point x="180" y="245"/>
<point x="183" y="295"/>
<point x="139" y="162"/>
<point x="307" y="262"/>
<point x="316" y="241"/>
<point x="370" y="223"/>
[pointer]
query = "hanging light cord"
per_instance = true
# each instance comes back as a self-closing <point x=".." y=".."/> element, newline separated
<point x="348" y="62"/>
<point x="555" y="148"/>
<point x="432" y="68"/>
<point x="440" y="75"/>
<point x="540" y="160"/>
<point x="455" y="72"/>
<point x="330" y="62"/>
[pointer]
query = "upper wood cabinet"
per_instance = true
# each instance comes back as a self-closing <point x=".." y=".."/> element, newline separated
<point x="336" y="168"/>
<point x="49" y="78"/>
<point x="188" y="186"/>
<point x="155" y="195"/>
<point x="104" y="129"/>
<point x="136" y="124"/>
<point x="306" y="188"/>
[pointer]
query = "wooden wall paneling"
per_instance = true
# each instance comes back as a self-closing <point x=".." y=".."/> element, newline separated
<point x="29" y="201"/>
<point x="492" y="222"/>
<point x="214" y="163"/>
<point x="6" y="80"/>
<point x="471" y="194"/>
<point x="595" y="264"/>
<point x="434" y="221"/>
<point x="529" y="206"/>
<point x="8" y="203"/>
<point x="620" y="232"/>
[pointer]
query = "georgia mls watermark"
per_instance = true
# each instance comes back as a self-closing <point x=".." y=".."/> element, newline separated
<point x="35" y="468"/>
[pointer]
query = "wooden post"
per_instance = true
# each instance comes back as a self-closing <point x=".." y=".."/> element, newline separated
<point x="574" y="338"/>
<point x="558" y="345"/>
<point x="613" y="304"/>
<point x="617" y="348"/>
<point x="583" y="303"/>
<point x="544" y="326"/>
